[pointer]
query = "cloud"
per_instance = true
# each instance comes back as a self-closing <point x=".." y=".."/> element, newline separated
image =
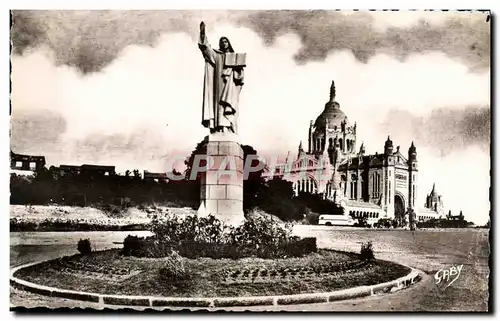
<point x="90" y="40"/>
<point x="37" y="131"/>
<point x="444" y="129"/>
<point x="465" y="36"/>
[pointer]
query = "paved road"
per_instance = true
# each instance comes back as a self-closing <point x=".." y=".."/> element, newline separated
<point x="429" y="251"/>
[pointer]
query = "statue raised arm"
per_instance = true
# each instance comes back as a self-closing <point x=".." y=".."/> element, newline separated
<point x="202" y="30"/>
<point x="223" y="80"/>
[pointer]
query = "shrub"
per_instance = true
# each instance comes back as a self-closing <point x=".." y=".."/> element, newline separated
<point x="145" y="247"/>
<point x="84" y="246"/>
<point x="175" y="229"/>
<point x="367" y="251"/>
<point x="173" y="269"/>
<point x="132" y="245"/>
<point x="195" y="237"/>
<point x="194" y="250"/>
<point x="257" y="231"/>
<point x="300" y="247"/>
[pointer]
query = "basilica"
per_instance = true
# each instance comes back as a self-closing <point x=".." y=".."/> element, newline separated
<point x="382" y="185"/>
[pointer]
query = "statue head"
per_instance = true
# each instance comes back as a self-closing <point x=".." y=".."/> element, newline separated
<point x="225" y="45"/>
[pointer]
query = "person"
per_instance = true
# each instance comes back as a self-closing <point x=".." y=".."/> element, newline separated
<point x="223" y="80"/>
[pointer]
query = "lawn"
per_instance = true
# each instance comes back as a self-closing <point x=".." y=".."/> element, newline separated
<point x="109" y="273"/>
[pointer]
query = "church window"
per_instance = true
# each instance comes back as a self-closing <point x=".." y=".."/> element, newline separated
<point x="389" y="201"/>
<point x="341" y="144"/>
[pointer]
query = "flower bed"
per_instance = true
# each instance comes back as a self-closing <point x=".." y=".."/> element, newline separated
<point x="204" y="277"/>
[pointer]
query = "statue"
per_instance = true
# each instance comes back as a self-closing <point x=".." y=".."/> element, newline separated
<point x="223" y="80"/>
<point x="332" y="91"/>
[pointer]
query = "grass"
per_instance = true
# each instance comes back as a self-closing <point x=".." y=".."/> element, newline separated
<point x="206" y="277"/>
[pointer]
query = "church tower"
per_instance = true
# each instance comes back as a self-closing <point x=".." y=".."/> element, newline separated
<point x="434" y="201"/>
<point x="300" y="151"/>
<point x="332" y="127"/>
<point x="413" y="176"/>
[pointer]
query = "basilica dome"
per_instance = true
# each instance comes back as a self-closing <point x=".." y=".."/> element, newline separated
<point x="332" y="116"/>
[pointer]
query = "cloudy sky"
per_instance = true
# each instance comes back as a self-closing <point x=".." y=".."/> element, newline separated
<point x="125" y="87"/>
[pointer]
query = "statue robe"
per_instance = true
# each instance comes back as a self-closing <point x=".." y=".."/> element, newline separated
<point x="221" y="89"/>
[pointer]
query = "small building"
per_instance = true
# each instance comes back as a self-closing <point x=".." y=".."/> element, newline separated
<point x="85" y="170"/>
<point x="68" y="170"/>
<point x="459" y="217"/>
<point x="156" y="177"/>
<point x="26" y="164"/>
<point x="97" y="170"/>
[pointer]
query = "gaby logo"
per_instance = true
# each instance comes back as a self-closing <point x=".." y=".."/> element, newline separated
<point x="448" y="276"/>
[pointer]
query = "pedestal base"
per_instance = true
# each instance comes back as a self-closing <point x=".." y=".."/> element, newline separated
<point x="221" y="192"/>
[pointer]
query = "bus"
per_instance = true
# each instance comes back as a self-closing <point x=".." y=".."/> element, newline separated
<point x="339" y="220"/>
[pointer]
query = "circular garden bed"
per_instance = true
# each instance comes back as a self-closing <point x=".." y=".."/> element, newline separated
<point x="108" y="272"/>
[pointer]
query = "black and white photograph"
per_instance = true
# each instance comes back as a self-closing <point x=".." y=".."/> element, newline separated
<point x="250" y="160"/>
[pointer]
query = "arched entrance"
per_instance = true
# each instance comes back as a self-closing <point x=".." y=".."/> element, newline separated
<point x="399" y="208"/>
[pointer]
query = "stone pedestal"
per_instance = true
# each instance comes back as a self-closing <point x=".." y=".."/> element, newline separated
<point x="221" y="192"/>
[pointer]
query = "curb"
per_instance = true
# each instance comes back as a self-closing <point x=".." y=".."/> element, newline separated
<point x="150" y="301"/>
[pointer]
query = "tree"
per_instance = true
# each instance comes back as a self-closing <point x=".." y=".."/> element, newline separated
<point x="318" y="204"/>
<point x="201" y="149"/>
<point x="43" y="174"/>
<point x="254" y="184"/>
<point x="137" y="174"/>
<point x="277" y="198"/>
